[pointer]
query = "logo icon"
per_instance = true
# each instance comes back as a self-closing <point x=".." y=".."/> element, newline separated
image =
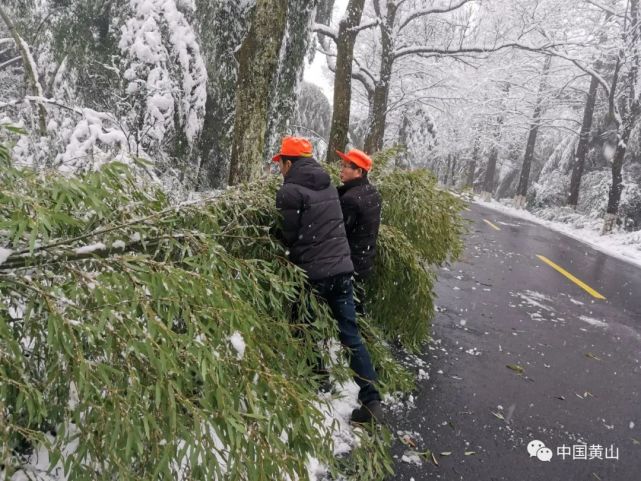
<point x="537" y="449"/>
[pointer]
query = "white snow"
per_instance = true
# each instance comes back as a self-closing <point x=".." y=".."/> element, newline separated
<point x="238" y="343"/>
<point x="593" y="322"/>
<point x="534" y="298"/>
<point x="4" y="254"/>
<point x="88" y="249"/>
<point x="119" y="244"/>
<point x="32" y="65"/>
<point x="622" y="245"/>
<point x="95" y="134"/>
<point x="155" y="41"/>
<point x="412" y="457"/>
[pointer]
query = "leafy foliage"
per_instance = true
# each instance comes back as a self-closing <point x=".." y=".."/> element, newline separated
<point x="128" y="348"/>
<point x="147" y="339"/>
<point x="427" y="216"/>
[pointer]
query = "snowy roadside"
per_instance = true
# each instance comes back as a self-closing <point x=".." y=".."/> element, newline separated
<point x="622" y="245"/>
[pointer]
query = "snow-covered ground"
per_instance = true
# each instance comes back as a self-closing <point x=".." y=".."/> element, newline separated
<point x="622" y="245"/>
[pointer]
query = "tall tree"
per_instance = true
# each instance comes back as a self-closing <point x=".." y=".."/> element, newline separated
<point x="376" y="129"/>
<point x="258" y="59"/>
<point x="285" y="91"/>
<point x="578" y="165"/>
<point x="348" y="30"/>
<point x="221" y="27"/>
<point x="626" y="118"/>
<point x="471" y="168"/>
<point x="524" y="178"/>
<point x="584" y="143"/>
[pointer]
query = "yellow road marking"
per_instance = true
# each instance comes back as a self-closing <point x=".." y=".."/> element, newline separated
<point x="578" y="282"/>
<point x="491" y="225"/>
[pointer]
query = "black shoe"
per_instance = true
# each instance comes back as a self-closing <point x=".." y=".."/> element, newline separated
<point x="372" y="411"/>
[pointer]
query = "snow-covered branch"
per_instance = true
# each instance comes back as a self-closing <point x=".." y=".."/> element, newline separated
<point x="421" y="49"/>
<point x="10" y="62"/>
<point x="605" y="8"/>
<point x="326" y="30"/>
<point x="55" y="103"/>
<point x="30" y="68"/>
<point x="582" y="67"/>
<point x="359" y="72"/>
<point x="365" y="26"/>
<point x="429" y="11"/>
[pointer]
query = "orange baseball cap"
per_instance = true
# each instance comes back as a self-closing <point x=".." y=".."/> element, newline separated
<point x="358" y="158"/>
<point x="294" y="147"/>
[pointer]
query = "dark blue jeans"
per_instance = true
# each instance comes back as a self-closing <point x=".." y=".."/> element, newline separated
<point x="338" y="292"/>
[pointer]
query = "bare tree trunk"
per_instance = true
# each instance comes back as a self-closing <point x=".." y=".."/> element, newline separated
<point x="490" y="173"/>
<point x="447" y="169"/>
<point x="29" y="68"/>
<point x="453" y="175"/>
<point x="521" y="191"/>
<point x="471" y="172"/>
<point x="343" y="79"/>
<point x="614" y="197"/>
<point x="584" y="141"/>
<point x="633" y="106"/>
<point x="215" y="141"/>
<point x="283" y="109"/>
<point x="258" y="55"/>
<point x="376" y="129"/>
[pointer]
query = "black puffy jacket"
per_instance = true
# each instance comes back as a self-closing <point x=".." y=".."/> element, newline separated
<point x="313" y="226"/>
<point x="361" y="204"/>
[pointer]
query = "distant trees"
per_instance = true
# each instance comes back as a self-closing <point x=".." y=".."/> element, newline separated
<point x="206" y="89"/>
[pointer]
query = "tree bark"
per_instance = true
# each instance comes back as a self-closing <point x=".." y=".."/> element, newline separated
<point x="524" y="179"/>
<point x="625" y="127"/>
<point x="447" y="169"/>
<point x="258" y="55"/>
<point x="214" y="145"/>
<point x="376" y="130"/>
<point x="614" y="196"/>
<point x="283" y="107"/>
<point x="471" y="171"/>
<point x="490" y="172"/>
<point x="343" y="78"/>
<point x="469" y="182"/>
<point x="453" y="174"/>
<point x="584" y="142"/>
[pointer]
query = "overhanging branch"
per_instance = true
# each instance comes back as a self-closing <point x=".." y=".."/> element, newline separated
<point x="429" y="11"/>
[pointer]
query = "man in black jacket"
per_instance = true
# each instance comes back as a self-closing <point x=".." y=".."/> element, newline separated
<point x="313" y="231"/>
<point x="361" y="205"/>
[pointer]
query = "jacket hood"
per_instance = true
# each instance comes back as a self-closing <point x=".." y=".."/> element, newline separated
<point x="308" y="173"/>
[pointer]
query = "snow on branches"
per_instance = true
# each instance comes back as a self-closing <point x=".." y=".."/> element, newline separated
<point x="164" y="67"/>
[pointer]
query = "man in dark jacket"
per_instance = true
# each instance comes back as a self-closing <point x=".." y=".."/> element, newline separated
<point x="361" y="205"/>
<point x="313" y="231"/>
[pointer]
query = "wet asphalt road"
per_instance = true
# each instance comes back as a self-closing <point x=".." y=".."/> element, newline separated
<point x="501" y="305"/>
